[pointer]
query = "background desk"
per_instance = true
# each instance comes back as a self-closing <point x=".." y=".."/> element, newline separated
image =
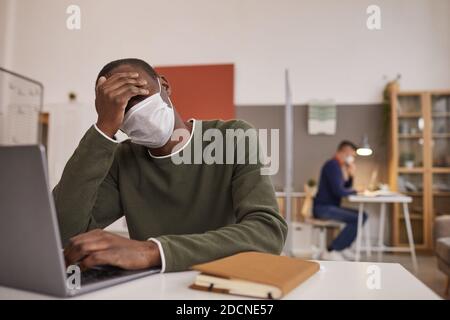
<point x="335" y="280"/>
<point x="383" y="201"/>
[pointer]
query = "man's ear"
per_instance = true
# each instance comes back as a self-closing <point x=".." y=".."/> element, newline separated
<point x="166" y="85"/>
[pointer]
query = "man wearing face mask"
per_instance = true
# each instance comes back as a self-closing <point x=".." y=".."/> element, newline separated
<point x="336" y="182"/>
<point x="177" y="215"/>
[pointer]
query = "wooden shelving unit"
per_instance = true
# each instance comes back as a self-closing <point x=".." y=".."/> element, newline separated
<point x="419" y="160"/>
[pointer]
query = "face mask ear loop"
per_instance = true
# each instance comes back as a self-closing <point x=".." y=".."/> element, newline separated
<point x="160" y="91"/>
<point x="171" y="105"/>
<point x="159" y="84"/>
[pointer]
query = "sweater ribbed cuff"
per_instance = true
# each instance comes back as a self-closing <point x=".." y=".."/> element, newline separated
<point x="161" y="253"/>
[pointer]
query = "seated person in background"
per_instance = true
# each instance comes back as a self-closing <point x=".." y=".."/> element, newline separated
<point x="177" y="214"/>
<point x="336" y="181"/>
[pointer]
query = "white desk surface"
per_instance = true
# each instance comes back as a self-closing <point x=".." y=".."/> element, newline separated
<point x="335" y="280"/>
<point x="400" y="198"/>
<point x="293" y="194"/>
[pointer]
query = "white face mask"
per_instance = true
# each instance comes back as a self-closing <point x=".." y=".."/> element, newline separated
<point x="349" y="159"/>
<point x="150" y="122"/>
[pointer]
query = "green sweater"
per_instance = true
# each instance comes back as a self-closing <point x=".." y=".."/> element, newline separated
<point x="198" y="212"/>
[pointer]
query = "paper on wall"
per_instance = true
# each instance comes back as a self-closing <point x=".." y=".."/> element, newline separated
<point x="322" y="116"/>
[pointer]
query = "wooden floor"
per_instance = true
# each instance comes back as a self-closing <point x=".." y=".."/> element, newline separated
<point x="428" y="273"/>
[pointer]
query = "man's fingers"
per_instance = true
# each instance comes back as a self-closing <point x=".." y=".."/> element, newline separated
<point x="123" y="75"/>
<point x="118" y="83"/>
<point x="79" y="251"/>
<point x="114" y="77"/>
<point x="125" y="93"/>
<point x="98" y="258"/>
<point x="87" y="235"/>
<point x="130" y="91"/>
<point x="100" y="82"/>
<point x="120" y="75"/>
<point x="72" y="251"/>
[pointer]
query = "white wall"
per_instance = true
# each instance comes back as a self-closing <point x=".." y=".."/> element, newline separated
<point x="3" y="10"/>
<point x="6" y="24"/>
<point x="325" y="44"/>
<point x="6" y="44"/>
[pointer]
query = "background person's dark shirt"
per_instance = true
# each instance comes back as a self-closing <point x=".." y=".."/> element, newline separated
<point x="332" y="186"/>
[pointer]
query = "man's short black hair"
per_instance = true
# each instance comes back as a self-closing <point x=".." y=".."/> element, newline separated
<point x="106" y="70"/>
<point x="347" y="143"/>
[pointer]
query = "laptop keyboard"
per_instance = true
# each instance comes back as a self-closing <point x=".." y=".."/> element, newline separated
<point x="103" y="273"/>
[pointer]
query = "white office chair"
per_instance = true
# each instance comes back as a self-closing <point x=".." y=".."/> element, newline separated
<point x="322" y="226"/>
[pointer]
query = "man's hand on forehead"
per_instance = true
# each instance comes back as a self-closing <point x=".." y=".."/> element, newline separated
<point x="116" y="80"/>
<point x="112" y="97"/>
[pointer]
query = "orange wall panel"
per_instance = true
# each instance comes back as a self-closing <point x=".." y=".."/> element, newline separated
<point x="202" y="91"/>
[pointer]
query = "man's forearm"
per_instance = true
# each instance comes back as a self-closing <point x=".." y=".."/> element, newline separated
<point x="257" y="232"/>
<point x="349" y="183"/>
<point x="76" y="192"/>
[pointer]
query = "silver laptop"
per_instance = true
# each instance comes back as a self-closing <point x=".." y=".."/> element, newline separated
<point x="31" y="255"/>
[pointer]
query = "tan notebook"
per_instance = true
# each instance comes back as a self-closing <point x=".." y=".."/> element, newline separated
<point x="254" y="274"/>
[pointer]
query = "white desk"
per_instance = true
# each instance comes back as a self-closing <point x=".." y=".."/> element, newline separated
<point x="383" y="200"/>
<point x="335" y="280"/>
